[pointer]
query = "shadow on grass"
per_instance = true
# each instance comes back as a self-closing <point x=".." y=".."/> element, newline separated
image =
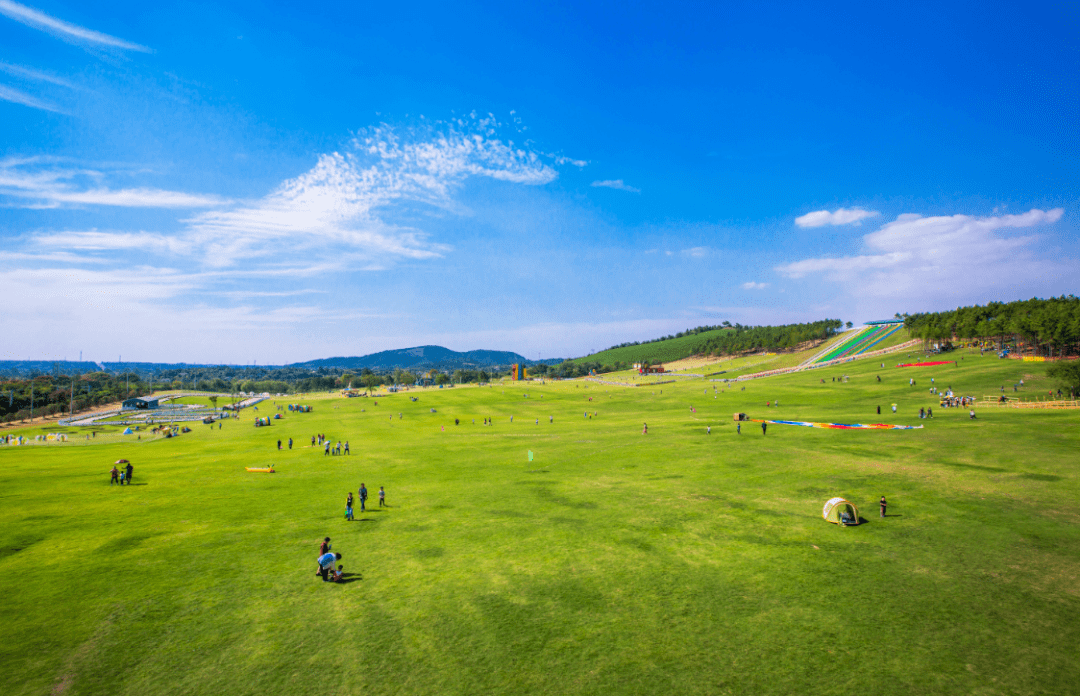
<point x="977" y="467"/>
<point x="346" y="578"/>
<point x="1040" y="477"/>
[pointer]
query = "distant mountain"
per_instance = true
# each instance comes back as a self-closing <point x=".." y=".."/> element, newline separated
<point x="19" y="368"/>
<point x="421" y="357"/>
<point x="418" y="358"/>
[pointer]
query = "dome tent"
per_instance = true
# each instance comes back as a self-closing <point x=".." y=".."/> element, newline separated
<point x="840" y="511"/>
<point x="127" y="431"/>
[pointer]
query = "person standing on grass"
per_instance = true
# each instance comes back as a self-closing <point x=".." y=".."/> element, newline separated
<point x="279" y="445"/>
<point x="290" y="443"/>
<point x="763" y="426"/>
<point x="883" y="506"/>
<point x="129" y="468"/>
<point x="363" y="497"/>
<point x="382" y="497"/>
<point x="115" y="473"/>
<point x="326" y="564"/>
<point x="347" y="447"/>
<point x="645" y="429"/>
<point x="326" y="448"/>
<point x="738" y="428"/>
<point x="312" y="440"/>
<point x="348" y="507"/>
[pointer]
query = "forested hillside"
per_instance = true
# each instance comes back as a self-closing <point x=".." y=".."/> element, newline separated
<point x="725" y="339"/>
<point x="1048" y="327"/>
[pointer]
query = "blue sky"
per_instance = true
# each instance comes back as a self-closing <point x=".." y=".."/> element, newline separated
<point x="209" y="182"/>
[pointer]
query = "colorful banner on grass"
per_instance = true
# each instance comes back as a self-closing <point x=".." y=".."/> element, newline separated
<point x="929" y="364"/>
<point x="842" y="426"/>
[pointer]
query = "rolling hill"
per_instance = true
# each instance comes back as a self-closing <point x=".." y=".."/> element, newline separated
<point x="426" y="357"/>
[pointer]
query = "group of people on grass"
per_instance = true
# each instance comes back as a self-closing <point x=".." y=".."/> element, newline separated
<point x="121" y="476"/>
<point x="328" y="447"/>
<point x="327" y="559"/>
<point x="362" y="494"/>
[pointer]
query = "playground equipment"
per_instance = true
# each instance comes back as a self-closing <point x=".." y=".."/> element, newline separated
<point x="518" y="372"/>
<point x="841" y="512"/>
<point x="262" y="421"/>
<point x="300" y="408"/>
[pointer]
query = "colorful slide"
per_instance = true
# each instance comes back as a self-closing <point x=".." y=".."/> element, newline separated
<point x="844" y="347"/>
<point x="891" y="329"/>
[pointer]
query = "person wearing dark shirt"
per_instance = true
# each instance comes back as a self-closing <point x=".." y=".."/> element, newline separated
<point x="363" y="496"/>
<point x="883" y="506"/>
<point x="128" y="469"/>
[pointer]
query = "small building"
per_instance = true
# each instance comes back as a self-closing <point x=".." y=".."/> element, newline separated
<point x="647" y="369"/>
<point x="141" y="402"/>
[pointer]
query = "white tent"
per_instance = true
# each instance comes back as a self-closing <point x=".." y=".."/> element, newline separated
<point x="840" y="511"/>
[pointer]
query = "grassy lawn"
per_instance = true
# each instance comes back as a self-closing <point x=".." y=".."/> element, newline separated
<point x="199" y="401"/>
<point x="614" y="563"/>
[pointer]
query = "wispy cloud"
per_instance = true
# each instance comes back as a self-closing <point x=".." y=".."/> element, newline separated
<point x="19" y="97"/>
<point x="249" y="264"/>
<point x="696" y="252"/>
<point x="938" y="257"/>
<point x="42" y="183"/>
<point x="840" y="216"/>
<point x="65" y="31"/>
<point x="617" y="184"/>
<point x="344" y="203"/>
<point x="31" y="74"/>
<point x="751" y="285"/>
<point x="562" y="159"/>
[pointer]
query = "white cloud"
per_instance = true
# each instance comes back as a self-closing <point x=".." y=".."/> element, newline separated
<point x="44" y="183"/>
<point x="696" y="252"/>
<point x="562" y="159"/>
<point x="751" y="285"/>
<point x="615" y="184"/>
<point x="65" y="31"/>
<point x="942" y="257"/>
<point x="246" y="266"/>
<point x="19" y="97"/>
<point x="30" y="73"/>
<point x="342" y="203"/>
<point x="841" y="216"/>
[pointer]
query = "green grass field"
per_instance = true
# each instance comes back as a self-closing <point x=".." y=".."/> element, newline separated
<point x="614" y="563"/>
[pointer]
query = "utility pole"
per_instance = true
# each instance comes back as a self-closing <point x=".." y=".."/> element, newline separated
<point x="71" y="407"/>
<point x="31" y="400"/>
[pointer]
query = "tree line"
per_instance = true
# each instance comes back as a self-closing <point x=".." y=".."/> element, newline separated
<point x="1049" y="327"/>
<point x="47" y="395"/>
<point x="733" y="339"/>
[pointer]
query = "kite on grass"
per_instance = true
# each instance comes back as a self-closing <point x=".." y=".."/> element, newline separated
<point x="841" y="426"/>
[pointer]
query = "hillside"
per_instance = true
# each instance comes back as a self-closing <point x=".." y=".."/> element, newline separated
<point x="427" y="357"/>
<point x="716" y="340"/>
<point x="664" y="350"/>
